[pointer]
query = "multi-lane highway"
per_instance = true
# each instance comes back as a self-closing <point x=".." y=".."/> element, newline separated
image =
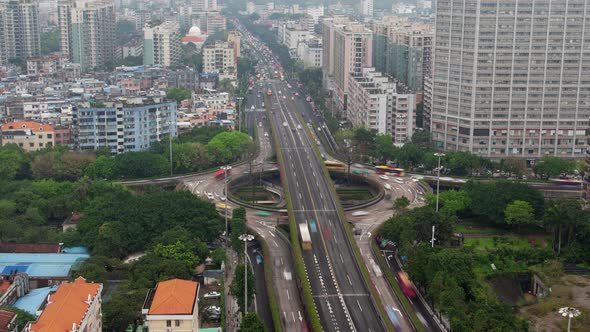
<point x="341" y="296"/>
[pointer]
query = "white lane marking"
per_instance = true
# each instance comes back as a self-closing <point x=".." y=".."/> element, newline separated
<point x="288" y="295"/>
<point x="341" y="259"/>
<point x="398" y="311"/>
<point x="359" y="304"/>
<point x="276" y="245"/>
<point x="349" y="281"/>
<point x="293" y="315"/>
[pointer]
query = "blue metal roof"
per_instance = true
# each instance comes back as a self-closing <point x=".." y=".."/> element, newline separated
<point x="40" y="265"/>
<point x="32" y="301"/>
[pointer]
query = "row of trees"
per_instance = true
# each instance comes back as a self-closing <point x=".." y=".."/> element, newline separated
<point x="367" y="145"/>
<point x="200" y="149"/>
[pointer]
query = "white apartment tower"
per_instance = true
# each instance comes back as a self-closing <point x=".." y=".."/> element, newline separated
<point x="510" y="77"/>
<point x="161" y="44"/>
<point x="348" y="47"/>
<point x="19" y="30"/>
<point x="220" y="58"/>
<point x="87" y="31"/>
<point x="367" y="8"/>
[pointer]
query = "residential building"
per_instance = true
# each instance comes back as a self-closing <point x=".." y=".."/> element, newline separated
<point x="348" y="47"/>
<point x="75" y="306"/>
<point x="87" y="31"/>
<point x="19" y="30"/>
<point x="8" y="321"/>
<point x="312" y="53"/>
<point x="172" y="306"/>
<point x="132" y="48"/>
<point x="46" y="65"/>
<point x="130" y="124"/>
<point x="510" y="78"/>
<point x="234" y="38"/>
<point x="402" y="50"/>
<point x="29" y="135"/>
<point x="220" y="58"/>
<point x="161" y="44"/>
<point x="215" y="22"/>
<point x="12" y="287"/>
<point x="367" y="8"/>
<point x="316" y="12"/>
<point x="377" y="103"/>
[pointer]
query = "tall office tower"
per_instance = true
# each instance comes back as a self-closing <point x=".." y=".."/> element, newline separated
<point x="347" y="49"/>
<point x="510" y="77"/>
<point x="402" y="50"/>
<point x="19" y="30"/>
<point x="87" y="31"/>
<point x="161" y="44"/>
<point x="367" y="8"/>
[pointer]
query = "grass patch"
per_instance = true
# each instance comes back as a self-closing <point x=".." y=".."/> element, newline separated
<point x="475" y="229"/>
<point x="496" y="241"/>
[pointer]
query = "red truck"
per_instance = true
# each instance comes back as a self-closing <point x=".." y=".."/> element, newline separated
<point x="406" y="285"/>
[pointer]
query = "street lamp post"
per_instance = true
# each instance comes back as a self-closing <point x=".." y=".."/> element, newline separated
<point x="239" y="99"/>
<point x="225" y="194"/>
<point x="439" y="155"/>
<point x="246" y="238"/>
<point x="570" y="313"/>
<point x="170" y="124"/>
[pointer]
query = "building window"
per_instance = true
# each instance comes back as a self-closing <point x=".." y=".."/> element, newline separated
<point x="168" y="323"/>
<point x="177" y="323"/>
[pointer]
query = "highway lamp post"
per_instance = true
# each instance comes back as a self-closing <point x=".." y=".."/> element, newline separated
<point x="170" y="124"/>
<point x="246" y="238"/>
<point x="570" y="313"/>
<point x="439" y="155"/>
<point x="225" y="193"/>
<point x="239" y="99"/>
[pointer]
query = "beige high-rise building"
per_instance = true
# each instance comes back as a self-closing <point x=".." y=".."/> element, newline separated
<point x="220" y="58"/>
<point x="19" y="30"/>
<point x="87" y="31"/>
<point x="161" y="44"/>
<point x="348" y="47"/>
<point x="510" y="78"/>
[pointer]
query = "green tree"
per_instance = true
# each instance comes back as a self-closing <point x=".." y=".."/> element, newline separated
<point x="71" y="165"/>
<point x="451" y="202"/>
<point x="513" y="166"/>
<point x="409" y="155"/>
<point x="564" y="217"/>
<point x="178" y="94"/>
<point x="384" y="149"/>
<point x="178" y="251"/>
<point x="50" y="41"/>
<point x="125" y="31"/>
<point x="519" y="213"/>
<point x="104" y="167"/>
<point x="422" y="138"/>
<point x="550" y="166"/>
<point x="237" y="287"/>
<point x="226" y="85"/>
<point x="140" y="165"/>
<point x="252" y="323"/>
<point x="401" y="203"/>
<point x="229" y="146"/>
<point x="254" y="17"/>
<point x="238" y="227"/>
<point x="13" y="162"/>
<point x="461" y="163"/>
<point x="218" y="256"/>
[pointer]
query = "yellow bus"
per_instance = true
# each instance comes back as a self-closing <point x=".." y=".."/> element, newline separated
<point x="334" y="166"/>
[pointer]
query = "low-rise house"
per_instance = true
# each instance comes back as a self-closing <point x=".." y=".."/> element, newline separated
<point x="172" y="306"/>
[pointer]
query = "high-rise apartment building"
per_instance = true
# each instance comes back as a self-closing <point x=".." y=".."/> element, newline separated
<point x="510" y="78"/>
<point x="367" y="8"/>
<point x="348" y="47"/>
<point x="214" y="23"/>
<point x="19" y="30"/>
<point x="87" y="31"/>
<point x="127" y="125"/>
<point x="377" y="103"/>
<point x="220" y="58"/>
<point x="161" y="44"/>
<point x="402" y="50"/>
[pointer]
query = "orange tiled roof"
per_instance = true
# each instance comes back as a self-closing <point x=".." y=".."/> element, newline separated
<point x="68" y="305"/>
<point x="35" y="126"/>
<point x="194" y="39"/>
<point x="174" y="297"/>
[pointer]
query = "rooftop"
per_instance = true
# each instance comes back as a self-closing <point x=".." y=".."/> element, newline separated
<point x="40" y="265"/>
<point x="174" y="297"/>
<point x="6" y="317"/>
<point x="67" y="306"/>
<point x="30" y="247"/>
<point x="33" y="300"/>
<point x="35" y="126"/>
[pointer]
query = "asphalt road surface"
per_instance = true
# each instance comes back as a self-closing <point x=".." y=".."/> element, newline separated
<point x="261" y="298"/>
<point x="341" y="296"/>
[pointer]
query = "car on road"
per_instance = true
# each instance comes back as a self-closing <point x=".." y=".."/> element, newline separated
<point x="210" y="196"/>
<point x="258" y="259"/>
<point x="299" y="126"/>
<point x="384" y="177"/>
<point x="400" y="181"/>
<point x="213" y="309"/>
<point x="265" y="134"/>
<point x="359" y="213"/>
<point x="285" y="124"/>
<point x="212" y="295"/>
<point x="387" y="186"/>
<point x="284" y="97"/>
